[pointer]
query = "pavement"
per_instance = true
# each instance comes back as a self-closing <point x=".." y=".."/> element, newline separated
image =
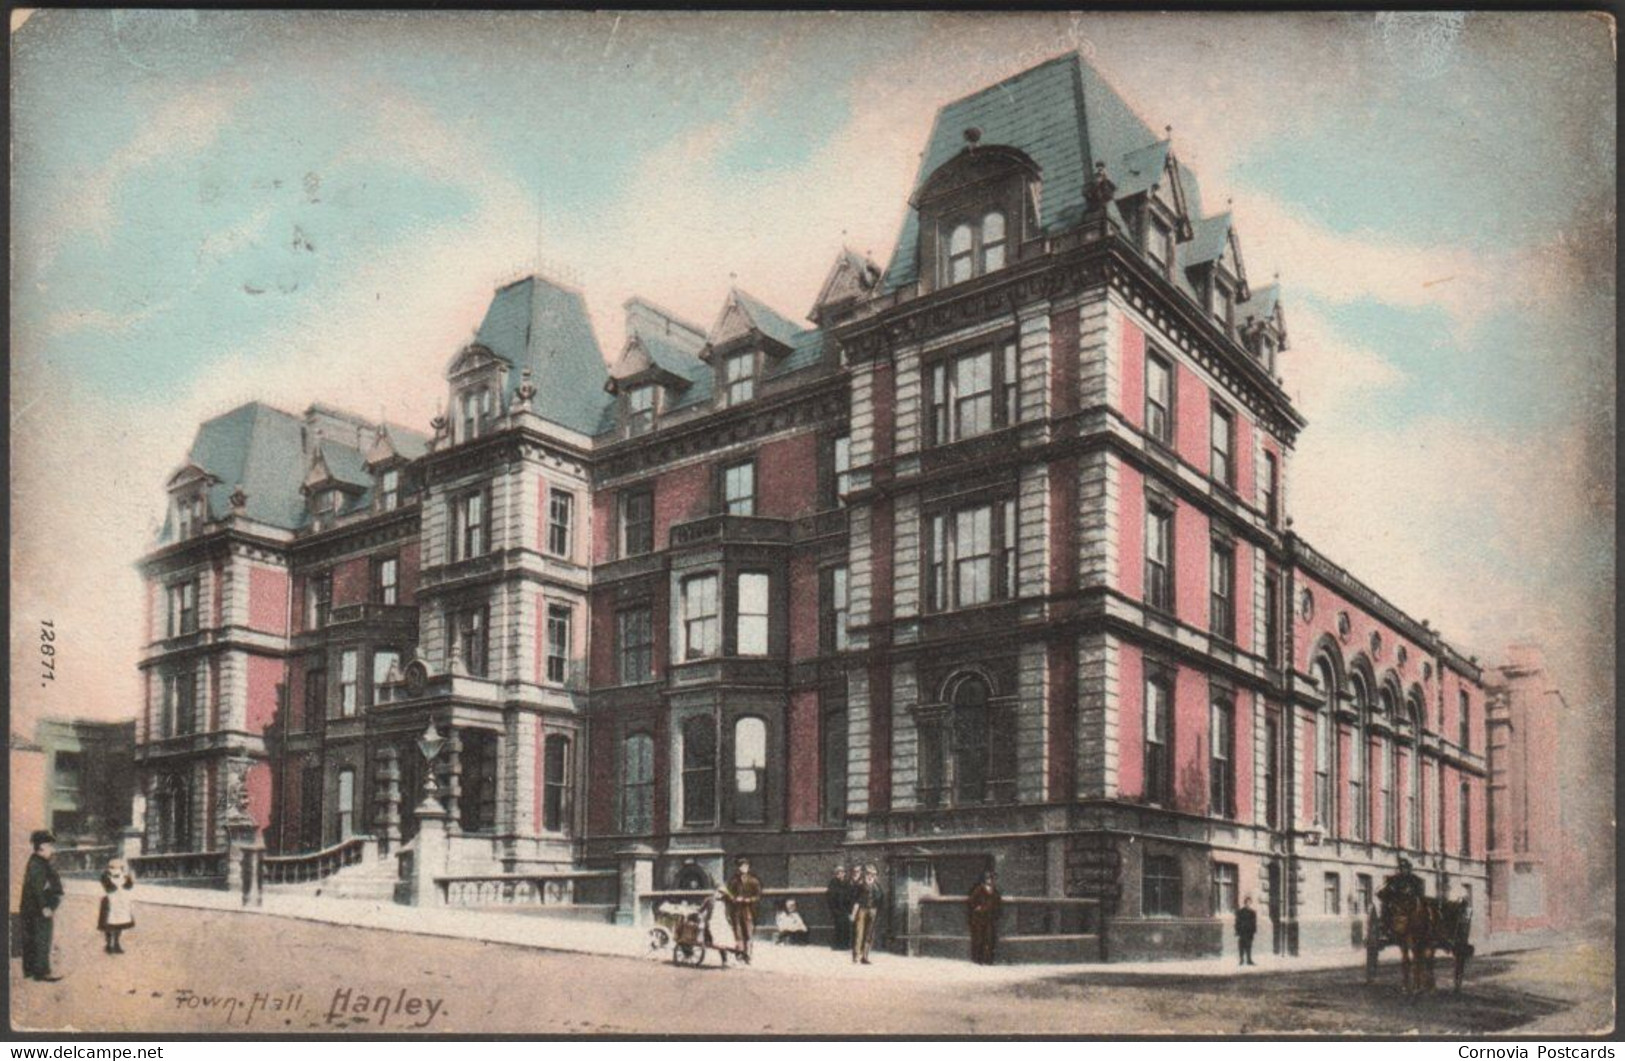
<point x="517" y="928"/>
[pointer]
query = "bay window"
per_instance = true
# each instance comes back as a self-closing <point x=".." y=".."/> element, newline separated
<point x="700" y="617"/>
<point x="751" y="610"/>
<point x="750" y="770"/>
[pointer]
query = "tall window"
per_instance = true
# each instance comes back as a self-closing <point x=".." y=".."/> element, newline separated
<point x="180" y="703"/>
<point x="560" y="516"/>
<point x="1362" y="895"/>
<point x="349" y="682"/>
<point x="556" y="783"/>
<point x="1159" y="245"/>
<point x="699" y="771"/>
<point x="1359" y="796"/>
<point x="1272" y="619"/>
<point x="637" y="783"/>
<point x="1464" y="723"/>
<point x="640" y="410"/>
<point x="1161" y="887"/>
<point x="842" y="463"/>
<point x="386" y="578"/>
<point x="1438" y="811"/>
<point x="1159" y="399"/>
<point x="1226" y="877"/>
<point x="389" y="489"/>
<point x="1223" y="427"/>
<point x="751" y="631"/>
<point x="973" y="393"/>
<point x="318" y="600"/>
<point x="467" y="632"/>
<point x="834" y="611"/>
<point x="834" y="740"/>
<point x="1385" y="756"/>
<point x="700" y="617"/>
<point x="479" y="410"/>
<point x="1222" y="590"/>
<point x="973" y="556"/>
<point x="634" y="634"/>
<point x="1159" y="718"/>
<point x="1464" y="809"/>
<point x="383" y="661"/>
<point x="189" y="516"/>
<point x="1219" y="302"/>
<point x="469" y="525"/>
<point x="558" y="642"/>
<point x="750" y="770"/>
<point x="1326" y="687"/>
<point x="984" y="745"/>
<point x="975" y="247"/>
<point x="739" y="489"/>
<point x="183" y="608"/>
<point x="740" y="377"/>
<point x="1159" y="558"/>
<point x="1272" y="489"/>
<point x="637" y="521"/>
<point x="315" y="699"/>
<point x="1221" y="761"/>
<point x="346" y="803"/>
<point x="1272" y="773"/>
<point x="1331" y="895"/>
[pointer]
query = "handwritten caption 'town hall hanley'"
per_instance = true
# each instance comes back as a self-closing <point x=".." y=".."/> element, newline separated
<point x="398" y="1009"/>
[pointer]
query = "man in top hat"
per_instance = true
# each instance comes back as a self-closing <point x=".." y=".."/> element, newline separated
<point x="42" y="894"/>
<point x="838" y="896"/>
<point x="746" y="889"/>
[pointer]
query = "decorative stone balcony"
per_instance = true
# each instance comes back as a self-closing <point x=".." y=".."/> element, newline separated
<point x="726" y="529"/>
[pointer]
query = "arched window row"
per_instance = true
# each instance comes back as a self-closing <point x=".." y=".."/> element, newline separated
<point x="967" y="744"/>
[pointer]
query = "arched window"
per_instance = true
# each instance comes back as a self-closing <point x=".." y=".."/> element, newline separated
<point x="699" y="771"/>
<point x="1412" y="720"/>
<point x="960" y="253"/>
<point x="1359" y="793"/>
<point x="174" y="807"/>
<point x="637" y="783"/>
<point x="992" y="241"/>
<point x="556" y="784"/>
<point x="983" y="744"/>
<point x="750" y="770"/>
<point x="1387" y="752"/>
<point x="1325" y="726"/>
<point x="346" y="803"/>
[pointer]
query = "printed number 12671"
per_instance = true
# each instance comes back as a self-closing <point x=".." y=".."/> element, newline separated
<point x="47" y="651"/>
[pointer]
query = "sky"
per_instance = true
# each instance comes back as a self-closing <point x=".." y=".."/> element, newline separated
<point x="216" y="207"/>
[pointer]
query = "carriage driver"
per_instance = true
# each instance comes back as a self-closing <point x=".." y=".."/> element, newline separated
<point x="1402" y="885"/>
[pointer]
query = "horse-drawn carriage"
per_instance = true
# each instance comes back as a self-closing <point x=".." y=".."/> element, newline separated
<point x="1420" y="926"/>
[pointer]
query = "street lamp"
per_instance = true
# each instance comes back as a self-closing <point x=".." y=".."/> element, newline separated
<point x="430" y="744"/>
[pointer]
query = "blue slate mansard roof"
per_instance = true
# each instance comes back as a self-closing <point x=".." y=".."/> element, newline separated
<point x="260" y="448"/>
<point x="1065" y="117"/>
<point x="537" y="324"/>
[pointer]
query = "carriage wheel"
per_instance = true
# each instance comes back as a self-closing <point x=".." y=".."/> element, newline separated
<point x="688" y="954"/>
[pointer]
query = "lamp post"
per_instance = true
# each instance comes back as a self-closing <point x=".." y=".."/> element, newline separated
<point x="430" y="744"/>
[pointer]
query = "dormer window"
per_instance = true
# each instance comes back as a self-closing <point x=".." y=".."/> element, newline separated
<point x="479" y="409"/>
<point x="640" y="410"/>
<point x="976" y="247"/>
<point x="1219" y="302"/>
<point x="326" y="508"/>
<point x="1159" y="245"/>
<point x="190" y="514"/>
<point x="389" y="489"/>
<point x="739" y="377"/>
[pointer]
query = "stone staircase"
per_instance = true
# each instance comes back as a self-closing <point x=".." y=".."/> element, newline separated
<point x="350" y="870"/>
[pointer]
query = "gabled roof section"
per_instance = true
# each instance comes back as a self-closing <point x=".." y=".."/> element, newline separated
<point x="851" y="279"/>
<point x="394" y="443"/>
<point x="746" y="315"/>
<point x="1136" y="172"/>
<point x="660" y="347"/>
<point x="538" y="324"/>
<point x="1061" y="113"/>
<point x="1209" y="240"/>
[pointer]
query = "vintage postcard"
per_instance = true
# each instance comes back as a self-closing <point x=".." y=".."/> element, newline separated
<point x="797" y="524"/>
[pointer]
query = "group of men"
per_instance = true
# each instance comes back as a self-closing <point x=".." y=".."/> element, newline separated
<point x="855" y="900"/>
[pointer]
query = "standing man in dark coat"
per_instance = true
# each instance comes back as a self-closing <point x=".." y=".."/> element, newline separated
<point x="42" y="894"/>
<point x="838" y="897"/>
<point x="982" y="909"/>
<point x="746" y="889"/>
<point x="1246" y="929"/>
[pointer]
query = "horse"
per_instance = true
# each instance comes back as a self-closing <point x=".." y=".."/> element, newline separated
<point x="1422" y="926"/>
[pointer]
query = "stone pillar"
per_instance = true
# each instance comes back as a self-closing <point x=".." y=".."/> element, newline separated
<point x="637" y="878"/>
<point x="454" y="782"/>
<point x="241" y="834"/>
<point x="430" y="851"/>
<point x="388" y="799"/>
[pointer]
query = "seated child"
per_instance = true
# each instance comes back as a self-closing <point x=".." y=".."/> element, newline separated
<point x="791" y="928"/>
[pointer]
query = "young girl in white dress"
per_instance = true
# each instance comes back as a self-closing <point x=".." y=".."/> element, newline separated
<point x="118" y="907"/>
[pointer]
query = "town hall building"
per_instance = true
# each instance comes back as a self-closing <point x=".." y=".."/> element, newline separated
<point x="984" y="562"/>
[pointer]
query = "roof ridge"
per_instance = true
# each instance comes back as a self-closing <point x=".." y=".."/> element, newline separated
<point x="1072" y="55"/>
